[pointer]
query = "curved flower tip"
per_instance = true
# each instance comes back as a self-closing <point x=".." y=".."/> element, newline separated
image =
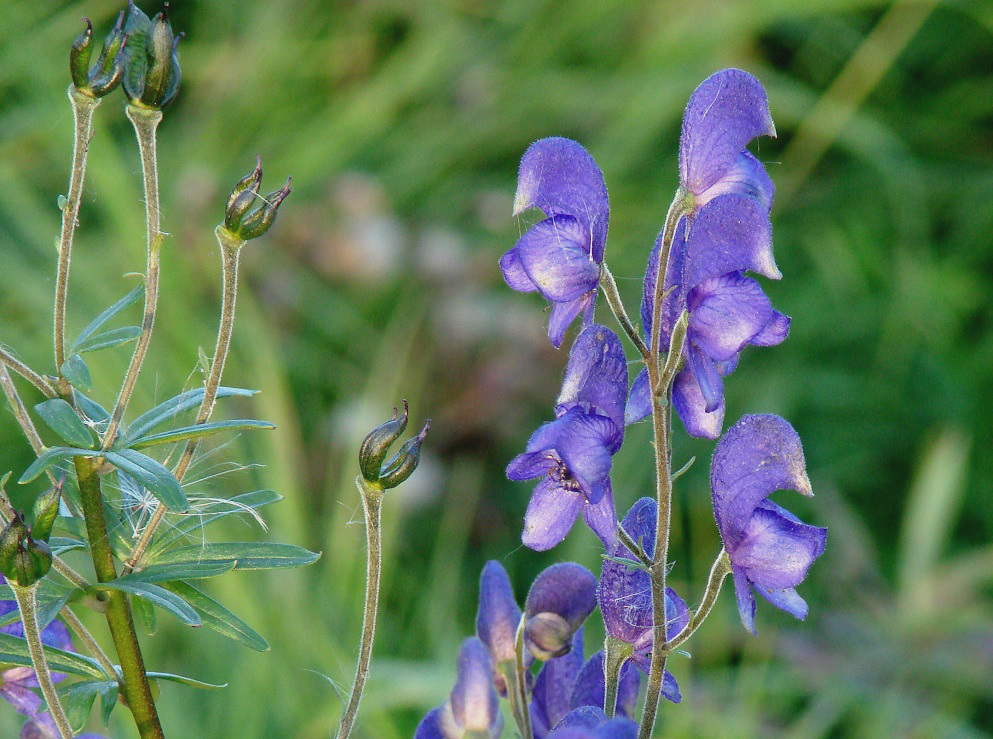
<point x="473" y="708"/>
<point x="596" y="376"/>
<point x="590" y="686"/>
<point x="724" y="114"/>
<point x="499" y="614"/>
<point x="560" y="600"/>
<point x="770" y="549"/>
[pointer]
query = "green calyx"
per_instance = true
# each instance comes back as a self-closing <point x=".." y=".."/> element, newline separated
<point x="23" y="560"/>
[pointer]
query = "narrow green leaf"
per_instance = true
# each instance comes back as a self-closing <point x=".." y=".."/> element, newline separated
<point x="77" y="700"/>
<point x="187" y="681"/>
<point x="171" y="408"/>
<point x="144" y="615"/>
<point x="219" y="618"/>
<point x="157" y="596"/>
<point x="95" y="325"/>
<point x="153" y="475"/>
<point x="205" y="515"/>
<point x="108" y="700"/>
<point x="255" y="555"/>
<point x="51" y="457"/>
<point x="109" y="339"/>
<point x="93" y="410"/>
<point x="182" y="571"/>
<point x="14" y="650"/>
<point x="59" y="416"/>
<point x="63" y="544"/>
<point x="198" y="431"/>
<point x="74" y="369"/>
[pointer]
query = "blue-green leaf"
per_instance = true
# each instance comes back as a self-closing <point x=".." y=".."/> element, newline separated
<point x="59" y="416"/>
<point x="109" y="339"/>
<point x="254" y="555"/>
<point x="170" y="409"/>
<point x="93" y="410"/>
<point x="182" y="571"/>
<point x="51" y="457"/>
<point x="219" y="618"/>
<point x="158" y="596"/>
<point x="74" y="369"/>
<point x="14" y="651"/>
<point x="183" y="680"/>
<point x="197" y="431"/>
<point x="97" y="323"/>
<point x="205" y="515"/>
<point x="153" y="475"/>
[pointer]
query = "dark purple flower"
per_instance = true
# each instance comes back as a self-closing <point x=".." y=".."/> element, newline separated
<point x="770" y="549"/>
<point x="497" y="619"/>
<point x="572" y="454"/>
<point x="560" y="256"/>
<point x="552" y="689"/>
<point x="625" y="596"/>
<point x="590" y="722"/>
<point x="473" y="708"/>
<point x="590" y="686"/>
<point x="560" y="600"/>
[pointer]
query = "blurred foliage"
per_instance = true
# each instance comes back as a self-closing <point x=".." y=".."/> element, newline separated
<point x="402" y="124"/>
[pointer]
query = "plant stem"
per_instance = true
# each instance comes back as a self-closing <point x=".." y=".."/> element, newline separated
<point x="26" y="602"/>
<point x="21" y="414"/>
<point x="83" y="106"/>
<point x="136" y="688"/>
<point x="633" y="546"/>
<point x="661" y="397"/>
<point x="609" y="288"/>
<point x="372" y="500"/>
<point x="8" y="359"/>
<point x="718" y="572"/>
<point x="230" y="251"/>
<point x="73" y="622"/>
<point x="615" y="654"/>
<point x="145" y="121"/>
<point x="521" y="682"/>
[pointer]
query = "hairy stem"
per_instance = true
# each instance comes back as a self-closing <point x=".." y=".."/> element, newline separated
<point x="77" y="627"/>
<point x="718" y="572"/>
<point x="21" y="414"/>
<point x="615" y="654"/>
<point x="521" y="681"/>
<point x="136" y="688"/>
<point x="145" y="123"/>
<point x="661" y="398"/>
<point x="372" y="501"/>
<point x="609" y="288"/>
<point x="230" y="251"/>
<point x="83" y="106"/>
<point x="26" y="602"/>
<point x="9" y="360"/>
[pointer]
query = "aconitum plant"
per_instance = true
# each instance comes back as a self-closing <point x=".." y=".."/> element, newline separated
<point x="700" y="309"/>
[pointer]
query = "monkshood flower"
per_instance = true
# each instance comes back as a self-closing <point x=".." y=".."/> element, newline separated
<point x="590" y="722"/>
<point x="725" y="232"/>
<point x="550" y="699"/>
<point x="559" y="601"/>
<point x="473" y="708"/>
<point x="590" y="686"/>
<point x="625" y="596"/>
<point x="572" y="455"/>
<point x="497" y="619"/>
<point x="769" y="548"/>
<point x="560" y="257"/>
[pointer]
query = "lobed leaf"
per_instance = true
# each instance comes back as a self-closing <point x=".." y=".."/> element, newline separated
<point x="153" y="475"/>
<point x="182" y="571"/>
<point x="74" y="369"/>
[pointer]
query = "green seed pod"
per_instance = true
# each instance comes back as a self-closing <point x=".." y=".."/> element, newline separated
<point x="46" y="508"/>
<point x="152" y="74"/>
<point x="22" y="559"/>
<point x="403" y="464"/>
<point x="79" y="57"/>
<point x="377" y="443"/>
<point x="259" y="221"/>
<point x="250" y="182"/>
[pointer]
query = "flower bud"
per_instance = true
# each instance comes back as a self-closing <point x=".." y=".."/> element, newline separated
<point x="104" y="76"/>
<point x="403" y="464"/>
<point x="559" y="601"/>
<point x="22" y="559"/>
<point x="377" y="443"/>
<point x="46" y="509"/>
<point x="548" y="635"/>
<point x="151" y="77"/>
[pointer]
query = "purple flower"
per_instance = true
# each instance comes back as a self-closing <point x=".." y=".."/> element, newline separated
<point x="553" y="688"/>
<point x="572" y="454"/>
<point x="559" y="601"/>
<point x="560" y="256"/>
<point x="473" y="708"/>
<point x="590" y="722"/>
<point x="725" y="233"/>
<point x="625" y="596"/>
<point x="770" y="549"/>
<point x="590" y="686"/>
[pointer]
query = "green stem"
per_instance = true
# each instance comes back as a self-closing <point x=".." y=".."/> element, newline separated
<point x="615" y="654"/>
<point x="661" y="398"/>
<point x="718" y="572"/>
<point x="372" y="501"/>
<point x="609" y="289"/>
<point x="77" y="627"/>
<point x="83" y="106"/>
<point x="521" y="683"/>
<point x="230" y="251"/>
<point x="26" y="602"/>
<point x="136" y="688"/>
<point x="145" y="121"/>
<point x="8" y="359"/>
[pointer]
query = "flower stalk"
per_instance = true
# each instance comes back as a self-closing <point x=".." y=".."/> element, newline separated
<point x="9" y="360"/>
<point x="27" y="604"/>
<point x="609" y="288"/>
<point x="372" y="501"/>
<point x="616" y="653"/>
<point x="521" y="682"/>
<point x="718" y="572"/>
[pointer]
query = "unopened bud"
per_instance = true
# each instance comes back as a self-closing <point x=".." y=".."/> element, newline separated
<point x="403" y="464"/>
<point x="548" y="635"/>
<point x="376" y="445"/>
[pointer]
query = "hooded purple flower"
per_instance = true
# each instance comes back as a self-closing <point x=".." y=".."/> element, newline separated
<point x="625" y="596"/>
<point x="770" y="549"/>
<point x="559" y="601"/>
<point x="572" y="454"/>
<point x="590" y="686"/>
<point x="497" y="619"/>
<point x="725" y="233"/>
<point x="560" y="256"/>
<point x="590" y="722"/>
<point x="473" y="708"/>
<point x="553" y="688"/>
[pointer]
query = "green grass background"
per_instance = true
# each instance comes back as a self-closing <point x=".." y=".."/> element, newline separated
<point x="402" y="124"/>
